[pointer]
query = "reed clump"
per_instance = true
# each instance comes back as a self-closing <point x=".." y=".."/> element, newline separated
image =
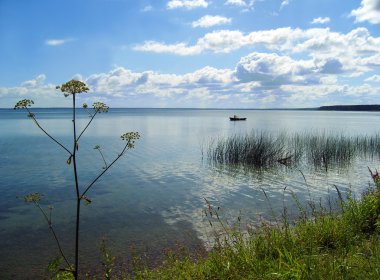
<point x="264" y="149"/>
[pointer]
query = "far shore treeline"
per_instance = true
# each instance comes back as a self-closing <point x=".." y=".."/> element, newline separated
<point x="350" y="108"/>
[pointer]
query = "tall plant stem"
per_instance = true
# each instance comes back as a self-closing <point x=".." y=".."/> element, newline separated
<point x="75" y="147"/>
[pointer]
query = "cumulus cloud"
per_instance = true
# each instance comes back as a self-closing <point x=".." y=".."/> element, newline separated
<point x="320" y="20"/>
<point x="121" y="80"/>
<point x="374" y="79"/>
<point x="369" y="10"/>
<point x="57" y="42"/>
<point x="246" y="5"/>
<point x="38" y="81"/>
<point x="209" y="21"/>
<point x="329" y="94"/>
<point x="36" y="89"/>
<point x="357" y="50"/>
<point x="259" y="79"/>
<point x="273" y="70"/>
<point x="187" y="4"/>
<point x="224" y="41"/>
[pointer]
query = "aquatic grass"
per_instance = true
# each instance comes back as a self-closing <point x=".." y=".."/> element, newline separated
<point x="259" y="149"/>
<point x="265" y="150"/>
<point x="324" y="150"/>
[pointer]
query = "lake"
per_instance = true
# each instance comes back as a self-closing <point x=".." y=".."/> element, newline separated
<point x="155" y="195"/>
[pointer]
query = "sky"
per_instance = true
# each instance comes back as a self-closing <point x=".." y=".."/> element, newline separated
<point x="191" y="53"/>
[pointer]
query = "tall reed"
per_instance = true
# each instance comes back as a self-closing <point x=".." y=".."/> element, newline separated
<point x="263" y="149"/>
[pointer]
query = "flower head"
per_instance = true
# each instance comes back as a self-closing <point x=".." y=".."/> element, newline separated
<point x="22" y="104"/>
<point x="130" y="137"/>
<point x="100" y="107"/>
<point x="32" y="197"/>
<point x="73" y="87"/>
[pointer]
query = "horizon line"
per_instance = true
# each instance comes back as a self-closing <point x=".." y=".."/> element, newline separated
<point x="184" y="108"/>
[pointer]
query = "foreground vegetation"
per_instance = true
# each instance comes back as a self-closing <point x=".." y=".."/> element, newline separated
<point x="321" y="244"/>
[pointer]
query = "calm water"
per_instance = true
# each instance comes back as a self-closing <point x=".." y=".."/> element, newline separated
<point x="154" y="196"/>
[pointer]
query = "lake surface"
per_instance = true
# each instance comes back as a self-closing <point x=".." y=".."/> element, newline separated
<point x="153" y="196"/>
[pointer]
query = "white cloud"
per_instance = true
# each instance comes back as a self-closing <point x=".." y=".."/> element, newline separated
<point x="268" y="99"/>
<point x="330" y="94"/>
<point x="236" y="3"/>
<point x="374" y="79"/>
<point x="225" y="41"/>
<point x="188" y="4"/>
<point x="78" y="77"/>
<point x="200" y="94"/>
<point x="369" y="10"/>
<point x="259" y="79"/>
<point x="38" y="81"/>
<point x="208" y="21"/>
<point x="36" y="89"/>
<point x="57" y="42"/>
<point x="121" y="80"/>
<point x="357" y="50"/>
<point x="272" y="70"/>
<point x="284" y="3"/>
<point x="320" y="20"/>
<point x="157" y="47"/>
<point x="246" y="5"/>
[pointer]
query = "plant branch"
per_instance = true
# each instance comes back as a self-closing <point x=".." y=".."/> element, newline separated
<point x="104" y="160"/>
<point x="105" y="170"/>
<point x="40" y="127"/>
<point x="53" y="232"/>
<point x="92" y="117"/>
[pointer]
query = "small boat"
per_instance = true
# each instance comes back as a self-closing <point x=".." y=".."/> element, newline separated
<point x="236" y="118"/>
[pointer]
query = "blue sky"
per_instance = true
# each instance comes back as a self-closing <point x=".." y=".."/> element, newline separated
<point x="192" y="53"/>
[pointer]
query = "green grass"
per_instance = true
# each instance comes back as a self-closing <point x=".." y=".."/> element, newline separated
<point x="325" y="245"/>
<point x="263" y="149"/>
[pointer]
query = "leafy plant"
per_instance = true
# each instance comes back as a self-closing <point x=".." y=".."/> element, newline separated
<point x="72" y="88"/>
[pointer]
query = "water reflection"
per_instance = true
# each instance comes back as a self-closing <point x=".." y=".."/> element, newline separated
<point x="154" y="195"/>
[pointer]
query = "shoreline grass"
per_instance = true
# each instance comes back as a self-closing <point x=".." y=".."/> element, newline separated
<point x="324" y="245"/>
<point x="320" y="244"/>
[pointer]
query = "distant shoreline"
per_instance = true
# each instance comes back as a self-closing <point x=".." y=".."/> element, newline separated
<point x="368" y="108"/>
<point x="350" y="108"/>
